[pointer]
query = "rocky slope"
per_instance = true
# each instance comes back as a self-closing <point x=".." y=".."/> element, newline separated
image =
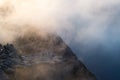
<point x="39" y="57"/>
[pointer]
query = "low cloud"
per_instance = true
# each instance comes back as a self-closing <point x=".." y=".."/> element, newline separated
<point x="76" y="19"/>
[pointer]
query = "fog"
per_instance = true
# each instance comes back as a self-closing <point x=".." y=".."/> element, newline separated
<point x="83" y="19"/>
<point x="88" y="22"/>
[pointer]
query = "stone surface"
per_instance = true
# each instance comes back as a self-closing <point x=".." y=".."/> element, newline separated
<point x="43" y="58"/>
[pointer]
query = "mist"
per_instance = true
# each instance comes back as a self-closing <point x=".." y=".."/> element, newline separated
<point x="91" y="24"/>
<point x="78" y="20"/>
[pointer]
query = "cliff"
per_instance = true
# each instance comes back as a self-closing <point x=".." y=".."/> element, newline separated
<point x="38" y="57"/>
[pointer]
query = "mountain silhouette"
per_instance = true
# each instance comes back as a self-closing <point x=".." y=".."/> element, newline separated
<point x="41" y="57"/>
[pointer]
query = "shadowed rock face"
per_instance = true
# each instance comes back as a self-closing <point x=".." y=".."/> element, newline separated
<point x="43" y="58"/>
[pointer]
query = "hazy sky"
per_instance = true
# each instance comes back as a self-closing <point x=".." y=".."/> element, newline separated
<point x="85" y="19"/>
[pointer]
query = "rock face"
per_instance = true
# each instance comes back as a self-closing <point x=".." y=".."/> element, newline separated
<point x="41" y="57"/>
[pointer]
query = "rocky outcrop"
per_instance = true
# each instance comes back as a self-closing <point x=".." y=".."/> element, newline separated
<point x="41" y="58"/>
